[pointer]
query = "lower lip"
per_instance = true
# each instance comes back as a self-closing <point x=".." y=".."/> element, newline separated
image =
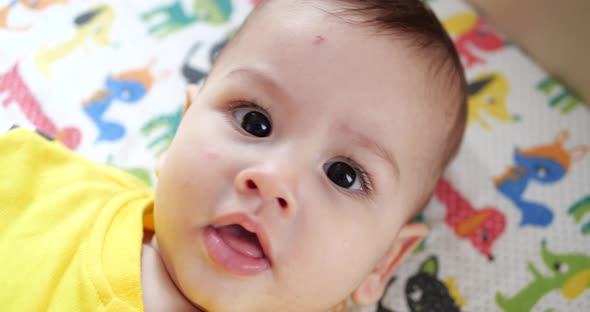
<point x="229" y="259"/>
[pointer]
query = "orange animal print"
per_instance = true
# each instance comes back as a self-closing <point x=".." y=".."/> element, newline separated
<point x="128" y="87"/>
<point x="544" y="164"/>
<point x="20" y="94"/>
<point x="36" y="5"/>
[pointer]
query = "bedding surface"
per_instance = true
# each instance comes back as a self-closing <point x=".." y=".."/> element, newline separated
<point x="510" y="220"/>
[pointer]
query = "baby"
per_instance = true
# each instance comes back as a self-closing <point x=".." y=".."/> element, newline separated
<point x="320" y="132"/>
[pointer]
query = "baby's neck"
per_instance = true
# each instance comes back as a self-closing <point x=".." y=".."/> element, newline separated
<point x="158" y="290"/>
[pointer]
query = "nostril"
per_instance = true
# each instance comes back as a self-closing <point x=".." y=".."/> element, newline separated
<point x="282" y="203"/>
<point x="251" y="185"/>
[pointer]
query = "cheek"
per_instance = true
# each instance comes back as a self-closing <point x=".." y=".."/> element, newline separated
<point x="337" y="255"/>
<point x="190" y="160"/>
<point x="211" y="155"/>
<point x="198" y="169"/>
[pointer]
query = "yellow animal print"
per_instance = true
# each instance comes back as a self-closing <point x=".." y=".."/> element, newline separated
<point x="454" y="292"/>
<point x="488" y="93"/>
<point x="460" y="23"/>
<point x="94" y="25"/>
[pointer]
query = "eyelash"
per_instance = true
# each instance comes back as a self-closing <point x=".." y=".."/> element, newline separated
<point x="242" y="103"/>
<point x="364" y="175"/>
<point x="250" y="103"/>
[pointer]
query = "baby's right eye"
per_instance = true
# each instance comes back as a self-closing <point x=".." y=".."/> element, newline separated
<point x="348" y="176"/>
<point x="252" y="120"/>
<point x="343" y="175"/>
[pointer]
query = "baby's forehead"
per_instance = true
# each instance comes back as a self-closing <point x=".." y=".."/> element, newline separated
<point x="323" y="23"/>
<point x="322" y="58"/>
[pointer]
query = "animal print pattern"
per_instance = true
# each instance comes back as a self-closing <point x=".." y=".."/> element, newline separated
<point x="510" y="219"/>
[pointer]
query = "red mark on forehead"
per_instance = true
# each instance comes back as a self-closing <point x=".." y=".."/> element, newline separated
<point x="318" y="40"/>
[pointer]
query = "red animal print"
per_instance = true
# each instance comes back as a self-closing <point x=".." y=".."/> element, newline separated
<point x="481" y="226"/>
<point x="471" y="34"/>
<point x="20" y="94"/>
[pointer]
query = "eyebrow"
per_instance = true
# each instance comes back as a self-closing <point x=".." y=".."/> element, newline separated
<point x="268" y="83"/>
<point x="376" y="148"/>
<point x="275" y="89"/>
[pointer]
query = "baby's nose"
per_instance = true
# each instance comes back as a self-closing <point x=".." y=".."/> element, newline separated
<point x="252" y="185"/>
<point x="270" y="186"/>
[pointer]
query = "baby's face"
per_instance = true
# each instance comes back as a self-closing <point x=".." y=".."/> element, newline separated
<point x="313" y="133"/>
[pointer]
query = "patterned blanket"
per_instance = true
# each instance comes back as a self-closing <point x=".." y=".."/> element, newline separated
<point x="510" y="220"/>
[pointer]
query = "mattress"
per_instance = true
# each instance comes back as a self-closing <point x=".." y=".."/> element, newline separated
<point x="510" y="220"/>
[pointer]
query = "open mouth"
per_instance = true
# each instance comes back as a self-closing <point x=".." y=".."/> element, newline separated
<point x="241" y="240"/>
<point x="235" y="249"/>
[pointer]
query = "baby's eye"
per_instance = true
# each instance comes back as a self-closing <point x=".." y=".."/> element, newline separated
<point x="346" y="176"/>
<point x="253" y="121"/>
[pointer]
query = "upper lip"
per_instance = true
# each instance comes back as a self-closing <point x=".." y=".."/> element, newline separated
<point x="250" y="225"/>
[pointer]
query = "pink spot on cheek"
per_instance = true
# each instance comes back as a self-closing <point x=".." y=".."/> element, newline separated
<point x="318" y="39"/>
<point x="211" y="156"/>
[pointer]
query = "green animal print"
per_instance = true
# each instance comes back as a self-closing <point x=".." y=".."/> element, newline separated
<point x="560" y="96"/>
<point x="139" y="172"/>
<point x="579" y="210"/>
<point x="176" y="18"/>
<point x="571" y="275"/>
<point x="422" y="245"/>
<point x="169" y="123"/>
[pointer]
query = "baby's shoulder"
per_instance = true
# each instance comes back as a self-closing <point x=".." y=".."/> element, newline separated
<point x="32" y="159"/>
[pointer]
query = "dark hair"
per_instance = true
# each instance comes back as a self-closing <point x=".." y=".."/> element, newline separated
<point x="415" y="23"/>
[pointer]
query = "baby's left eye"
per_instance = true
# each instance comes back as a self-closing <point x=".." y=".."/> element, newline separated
<point x="253" y="121"/>
<point x="346" y="176"/>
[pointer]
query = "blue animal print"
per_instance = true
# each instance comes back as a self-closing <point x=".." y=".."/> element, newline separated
<point x="545" y="164"/>
<point x="129" y="88"/>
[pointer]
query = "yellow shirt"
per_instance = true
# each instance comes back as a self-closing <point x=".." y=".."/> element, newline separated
<point x="70" y="229"/>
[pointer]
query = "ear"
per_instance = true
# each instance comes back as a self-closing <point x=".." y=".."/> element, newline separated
<point x="561" y="137"/>
<point x="191" y="93"/>
<point x="160" y="163"/>
<point x="372" y="288"/>
<point x="192" y="90"/>
<point x="476" y="86"/>
<point x="430" y="266"/>
<point x="578" y="152"/>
